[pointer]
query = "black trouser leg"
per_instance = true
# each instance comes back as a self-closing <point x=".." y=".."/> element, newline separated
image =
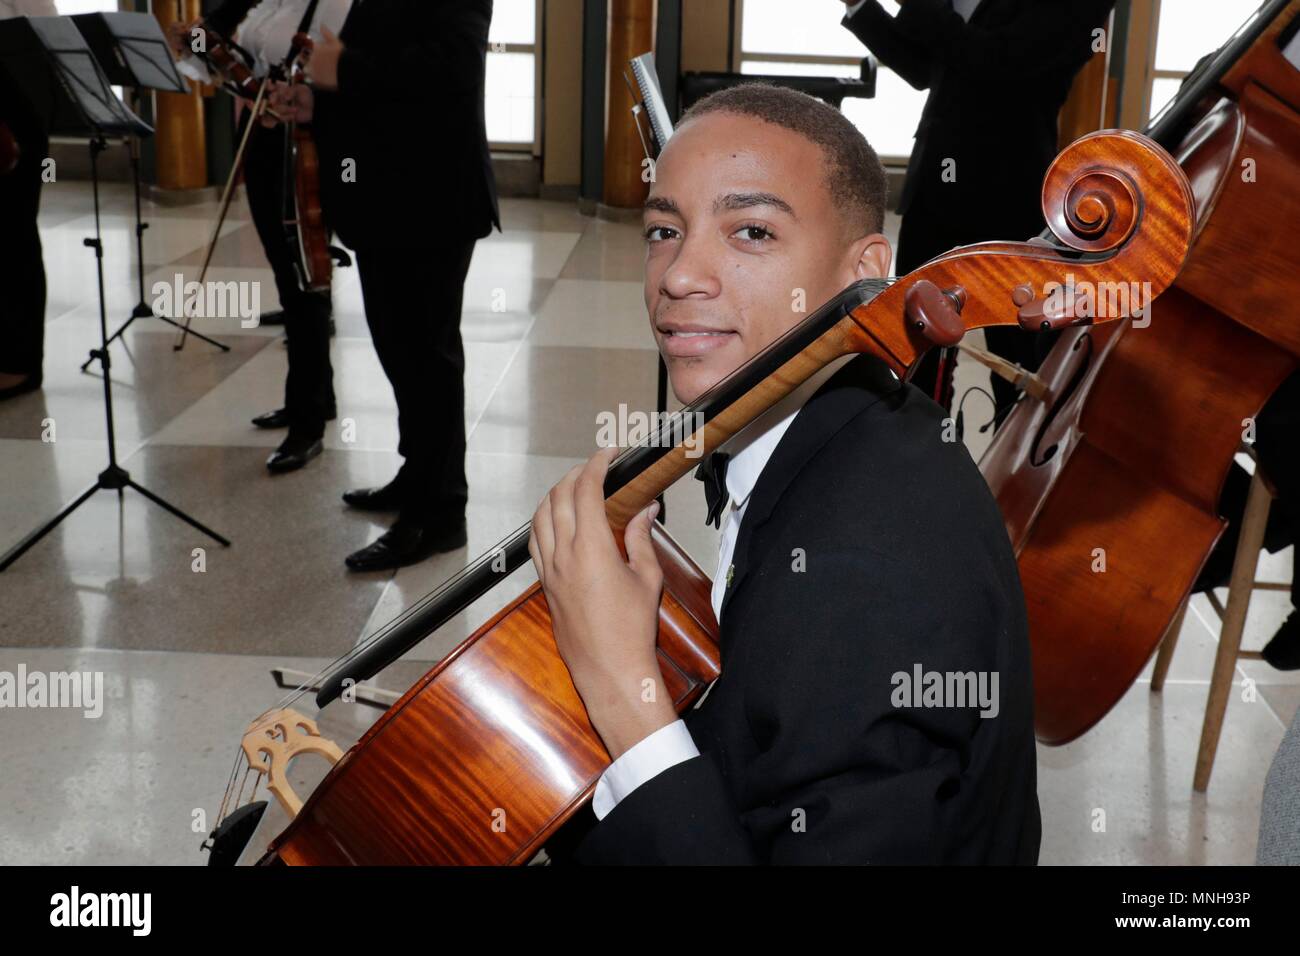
<point x="309" y="384"/>
<point x="413" y="299"/>
<point x="22" y="268"/>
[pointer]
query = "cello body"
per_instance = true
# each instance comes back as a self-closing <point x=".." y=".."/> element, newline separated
<point x="439" y="778"/>
<point x="1110" y="489"/>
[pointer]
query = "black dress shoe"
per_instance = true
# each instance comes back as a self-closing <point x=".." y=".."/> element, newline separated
<point x="1283" y="651"/>
<point x="271" y="318"/>
<point x="276" y="419"/>
<point x="293" y="453"/>
<point x="407" y="543"/>
<point x="30" y="384"/>
<point x="386" y="498"/>
<point x="280" y="418"/>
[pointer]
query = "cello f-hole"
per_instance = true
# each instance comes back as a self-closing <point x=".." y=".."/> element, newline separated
<point x="1038" y="457"/>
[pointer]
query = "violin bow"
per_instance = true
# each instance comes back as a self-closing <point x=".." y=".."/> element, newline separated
<point x="257" y="109"/>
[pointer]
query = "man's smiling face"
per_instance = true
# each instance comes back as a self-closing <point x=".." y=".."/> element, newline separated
<point x="739" y="221"/>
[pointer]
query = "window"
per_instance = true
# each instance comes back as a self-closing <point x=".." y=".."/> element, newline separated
<point x="777" y="36"/>
<point x="68" y="8"/>
<point x="511" y="101"/>
<point x="1186" y="31"/>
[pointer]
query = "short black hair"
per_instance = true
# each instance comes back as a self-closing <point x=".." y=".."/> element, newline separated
<point x="853" y="171"/>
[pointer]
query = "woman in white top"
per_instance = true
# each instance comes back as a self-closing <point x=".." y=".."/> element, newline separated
<point x="265" y="30"/>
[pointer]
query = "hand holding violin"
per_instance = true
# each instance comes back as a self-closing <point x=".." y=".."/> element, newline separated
<point x="178" y="35"/>
<point x="288" y="102"/>
<point x="322" y="67"/>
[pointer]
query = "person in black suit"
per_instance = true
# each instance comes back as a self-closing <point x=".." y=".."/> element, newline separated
<point x="998" y="72"/>
<point x="395" y="104"/>
<point x="24" y="146"/>
<point x="859" y="550"/>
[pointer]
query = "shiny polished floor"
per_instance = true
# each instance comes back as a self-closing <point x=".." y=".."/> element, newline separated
<point x="186" y="638"/>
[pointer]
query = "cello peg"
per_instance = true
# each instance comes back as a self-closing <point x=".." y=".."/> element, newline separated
<point x="936" y="313"/>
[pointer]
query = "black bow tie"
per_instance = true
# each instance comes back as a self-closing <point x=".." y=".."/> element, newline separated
<point x="713" y="472"/>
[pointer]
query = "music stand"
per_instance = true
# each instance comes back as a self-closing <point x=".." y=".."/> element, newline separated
<point x="132" y="51"/>
<point x="49" y="60"/>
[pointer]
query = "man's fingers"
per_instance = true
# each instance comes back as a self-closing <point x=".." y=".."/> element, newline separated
<point x="536" y="554"/>
<point x="543" y="535"/>
<point x="641" y="556"/>
<point x="589" y="500"/>
<point x="328" y="35"/>
<point x="562" y="513"/>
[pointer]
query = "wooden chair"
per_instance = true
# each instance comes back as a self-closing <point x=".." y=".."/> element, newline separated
<point x="1232" y="619"/>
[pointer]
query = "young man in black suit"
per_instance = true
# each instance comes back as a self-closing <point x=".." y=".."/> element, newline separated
<point x="859" y="551"/>
<point x="395" y="103"/>
<point x="998" y="72"/>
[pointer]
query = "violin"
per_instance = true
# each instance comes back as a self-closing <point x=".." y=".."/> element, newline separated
<point x="491" y="752"/>
<point x="304" y="219"/>
<point x="1110" y="484"/>
<point x="223" y="57"/>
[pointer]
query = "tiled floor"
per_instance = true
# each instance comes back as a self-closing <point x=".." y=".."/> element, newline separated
<point x="555" y="332"/>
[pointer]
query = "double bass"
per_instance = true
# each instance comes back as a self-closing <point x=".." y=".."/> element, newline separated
<point x="486" y="756"/>
<point x="1122" y="465"/>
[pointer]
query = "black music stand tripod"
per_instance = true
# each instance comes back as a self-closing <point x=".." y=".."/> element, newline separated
<point x="132" y="51"/>
<point x="57" y="68"/>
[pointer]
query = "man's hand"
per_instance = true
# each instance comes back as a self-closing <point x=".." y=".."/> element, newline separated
<point x="289" y="102"/>
<point x="605" y="610"/>
<point x="323" y="62"/>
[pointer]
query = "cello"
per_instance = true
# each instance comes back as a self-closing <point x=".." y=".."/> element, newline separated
<point x="1126" y="457"/>
<point x="484" y="758"/>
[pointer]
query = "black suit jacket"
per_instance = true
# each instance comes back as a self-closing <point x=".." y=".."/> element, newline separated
<point x="907" y="562"/>
<point x="409" y="112"/>
<point x="996" y="87"/>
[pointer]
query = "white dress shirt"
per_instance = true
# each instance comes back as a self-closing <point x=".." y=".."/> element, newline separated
<point x="268" y="30"/>
<point x="750" y="450"/>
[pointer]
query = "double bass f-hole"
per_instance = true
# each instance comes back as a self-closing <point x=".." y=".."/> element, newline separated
<point x="1038" y="456"/>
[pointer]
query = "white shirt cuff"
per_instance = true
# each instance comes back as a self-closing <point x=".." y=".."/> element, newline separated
<point x="666" y="747"/>
<point x="854" y="9"/>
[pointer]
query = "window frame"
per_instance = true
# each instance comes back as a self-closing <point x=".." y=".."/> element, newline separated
<point x="739" y="57"/>
<point x="535" y="48"/>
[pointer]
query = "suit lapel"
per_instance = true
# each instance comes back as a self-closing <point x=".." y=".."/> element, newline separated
<point x="859" y="384"/>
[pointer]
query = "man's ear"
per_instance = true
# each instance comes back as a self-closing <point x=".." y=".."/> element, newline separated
<point x="872" y="256"/>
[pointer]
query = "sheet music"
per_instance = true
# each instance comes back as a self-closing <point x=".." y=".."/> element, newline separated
<point x="647" y="81"/>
